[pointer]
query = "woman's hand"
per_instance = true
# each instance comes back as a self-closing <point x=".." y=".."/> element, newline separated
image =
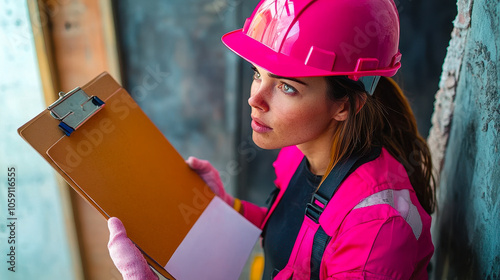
<point x="211" y="176"/>
<point x="125" y="255"/>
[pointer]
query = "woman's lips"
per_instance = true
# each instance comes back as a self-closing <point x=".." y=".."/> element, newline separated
<point x="259" y="127"/>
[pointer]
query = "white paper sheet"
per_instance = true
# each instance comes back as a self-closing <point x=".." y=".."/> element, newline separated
<point x="217" y="246"/>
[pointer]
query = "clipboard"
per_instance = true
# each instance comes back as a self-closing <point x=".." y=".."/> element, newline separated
<point x="101" y="142"/>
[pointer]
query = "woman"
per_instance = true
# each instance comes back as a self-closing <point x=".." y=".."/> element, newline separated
<point x="351" y="156"/>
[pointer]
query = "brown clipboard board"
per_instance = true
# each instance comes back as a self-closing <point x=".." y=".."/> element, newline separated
<point x="121" y="164"/>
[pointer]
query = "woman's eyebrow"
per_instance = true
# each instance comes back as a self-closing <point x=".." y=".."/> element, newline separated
<point x="286" y="78"/>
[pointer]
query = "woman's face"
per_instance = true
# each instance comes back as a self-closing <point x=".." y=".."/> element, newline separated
<point x="291" y="111"/>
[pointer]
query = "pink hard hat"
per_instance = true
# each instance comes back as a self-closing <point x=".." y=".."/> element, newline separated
<point x="304" y="38"/>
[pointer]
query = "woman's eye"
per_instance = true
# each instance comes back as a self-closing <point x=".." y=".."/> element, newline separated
<point x="288" y="89"/>
<point x="256" y="75"/>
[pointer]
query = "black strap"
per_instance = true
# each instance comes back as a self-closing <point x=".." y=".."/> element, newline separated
<point x="320" y="241"/>
<point x="324" y="194"/>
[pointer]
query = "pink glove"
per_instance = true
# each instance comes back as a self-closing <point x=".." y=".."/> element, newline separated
<point x="127" y="258"/>
<point x="211" y="176"/>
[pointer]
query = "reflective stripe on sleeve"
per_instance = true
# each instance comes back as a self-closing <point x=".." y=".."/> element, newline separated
<point x="399" y="200"/>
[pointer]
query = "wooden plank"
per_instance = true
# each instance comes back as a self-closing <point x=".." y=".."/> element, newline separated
<point x="43" y="46"/>
<point x="110" y="41"/>
<point x="49" y="83"/>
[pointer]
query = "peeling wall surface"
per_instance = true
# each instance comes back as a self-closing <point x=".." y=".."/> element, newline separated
<point x="467" y="227"/>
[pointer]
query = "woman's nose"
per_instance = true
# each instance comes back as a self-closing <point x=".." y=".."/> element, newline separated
<point x="257" y="98"/>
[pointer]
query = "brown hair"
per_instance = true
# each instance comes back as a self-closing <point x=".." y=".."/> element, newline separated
<point x="386" y="119"/>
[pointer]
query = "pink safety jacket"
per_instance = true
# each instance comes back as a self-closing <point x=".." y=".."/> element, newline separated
<point x="379" y="229"/>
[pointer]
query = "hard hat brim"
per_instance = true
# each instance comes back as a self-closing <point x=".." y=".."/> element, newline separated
<point x="282" y="65"/>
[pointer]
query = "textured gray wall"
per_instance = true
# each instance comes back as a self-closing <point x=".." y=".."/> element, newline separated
<point x="425" y="33"/>
<point x="178" y="71"/>
<point x="467" y="226"/>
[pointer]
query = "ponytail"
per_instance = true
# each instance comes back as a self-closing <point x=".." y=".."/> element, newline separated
<point x="386" y="119"/>
<point x="401" y="138"/>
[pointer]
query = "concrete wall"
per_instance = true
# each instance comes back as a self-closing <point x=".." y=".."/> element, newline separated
<point x="425" y="33"/>
<point x="467" y="124"/>
<point x="192" y="98"/>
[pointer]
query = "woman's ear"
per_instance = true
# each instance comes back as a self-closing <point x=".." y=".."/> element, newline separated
<point x="342" y="111"/>
<point x="344" y="107"/>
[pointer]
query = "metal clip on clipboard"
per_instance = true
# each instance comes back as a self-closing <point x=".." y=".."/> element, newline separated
<point x="74" y="108"/>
